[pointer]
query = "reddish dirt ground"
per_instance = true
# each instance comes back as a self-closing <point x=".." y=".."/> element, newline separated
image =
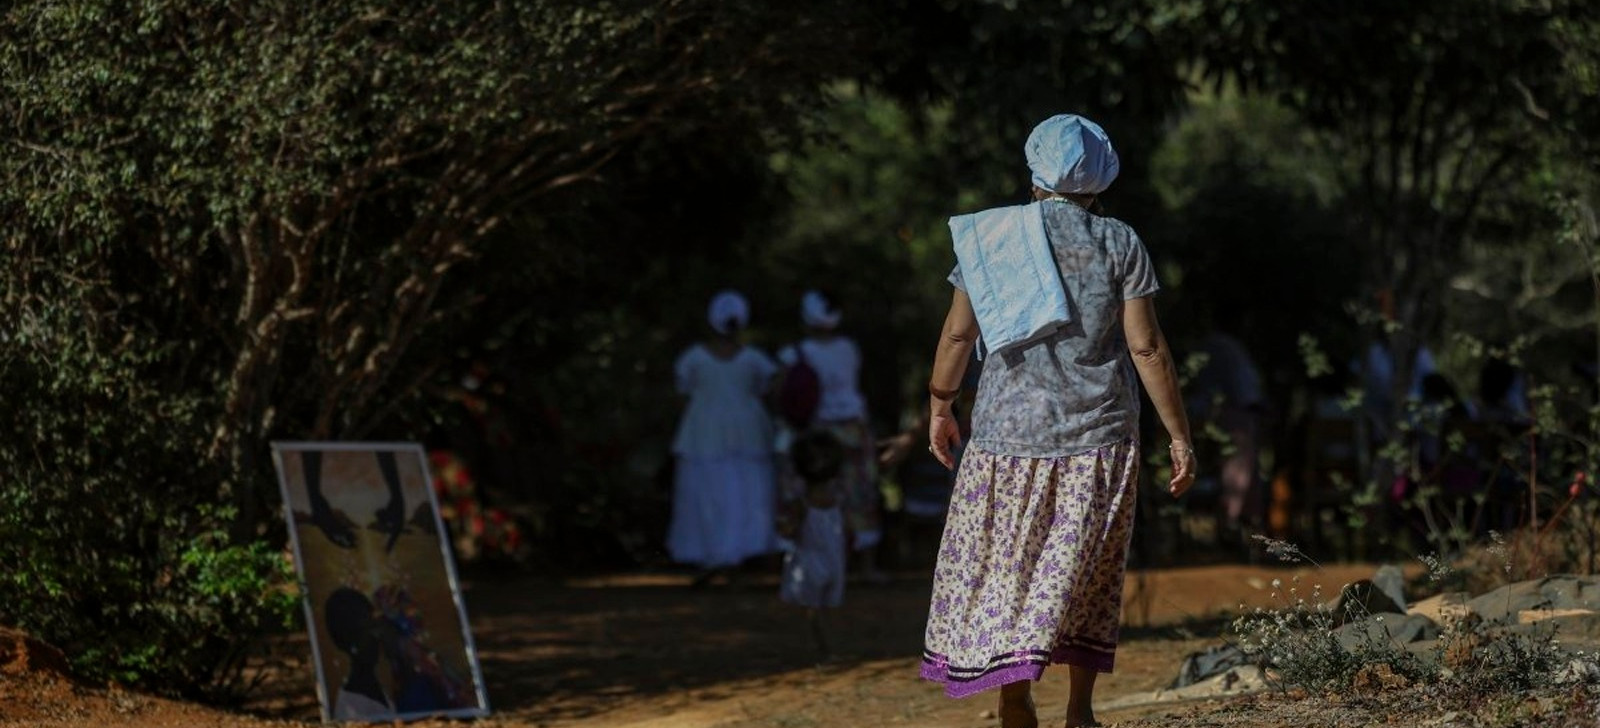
<point x="645" y="651"/>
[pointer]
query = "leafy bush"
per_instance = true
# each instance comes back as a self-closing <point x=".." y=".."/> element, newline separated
<point x="113" y="545"/>
<point x="232" y="222"/>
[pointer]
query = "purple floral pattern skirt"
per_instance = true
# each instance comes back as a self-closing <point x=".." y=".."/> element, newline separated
<point x="1030" y="567"/>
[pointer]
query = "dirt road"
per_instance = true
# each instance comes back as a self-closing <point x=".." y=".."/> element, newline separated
<point x="645" y="651"/>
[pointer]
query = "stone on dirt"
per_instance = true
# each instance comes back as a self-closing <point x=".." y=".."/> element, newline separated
<point x="1551" y="592"/>
<point x="1361" y="598"/>
<point x="1241" y="680"/>
<point x="1392" y="582"/>
<point x="1387" y="629"/>
<point x="1208" y="663"/>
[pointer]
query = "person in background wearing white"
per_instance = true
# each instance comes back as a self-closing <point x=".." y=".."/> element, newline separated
<point x="724" y="496"/>
<point x="813" y="571"/>
<point x="842" y="412"/>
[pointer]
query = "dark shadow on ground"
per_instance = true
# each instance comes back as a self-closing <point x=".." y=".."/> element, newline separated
<point x="547" y="650"/>
<point x="544" y="649"/>
<point x="559" y="651"/>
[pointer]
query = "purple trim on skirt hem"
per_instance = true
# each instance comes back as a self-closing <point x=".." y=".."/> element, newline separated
<point x="937" y="670"/>
<point x="990" y="681"/>
<point x="1089" y="657"/>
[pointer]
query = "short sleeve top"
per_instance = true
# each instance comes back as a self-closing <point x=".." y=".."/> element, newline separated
<point x="838" y="365"/>
<point x="1076" y="389"/>
<point x="725" y="415"/>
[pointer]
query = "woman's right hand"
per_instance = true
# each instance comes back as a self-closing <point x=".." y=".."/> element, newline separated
<point x="893" y="450"/>
<point x="1184" y="466"/>
<point x="944" y="435"/>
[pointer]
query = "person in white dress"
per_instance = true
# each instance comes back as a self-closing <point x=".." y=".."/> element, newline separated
<point x="724" y="498"/>
<point x="842" y="412"/>
<point x="814" y="569"/>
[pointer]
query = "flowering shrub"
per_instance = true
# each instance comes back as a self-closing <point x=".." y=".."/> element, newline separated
<point x="476" y="531"/>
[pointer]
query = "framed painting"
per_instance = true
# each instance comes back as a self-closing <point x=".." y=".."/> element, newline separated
<point x="388" y="627"/>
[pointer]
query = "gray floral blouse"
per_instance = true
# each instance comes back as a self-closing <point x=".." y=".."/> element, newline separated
<point x="1076" y="390"/>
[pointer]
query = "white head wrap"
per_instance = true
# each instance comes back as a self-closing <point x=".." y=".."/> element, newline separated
<point x="1070" y="154"/>
<point x="728" y="312"/>
<point x="817" y="312"/>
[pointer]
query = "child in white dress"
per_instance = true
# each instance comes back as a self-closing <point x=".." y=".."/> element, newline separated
<point x="841" y="410"/>
<point x="814" y="570"/>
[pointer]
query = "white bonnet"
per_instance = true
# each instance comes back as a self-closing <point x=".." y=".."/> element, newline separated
<point x="816" y="311"/>
<point x="728" y="312"/>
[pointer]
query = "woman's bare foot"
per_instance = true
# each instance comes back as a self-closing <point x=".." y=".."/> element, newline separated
<point x="1080" y="702"/>
<point x="1016" y="706"/>
<point x="1080" y="719"/>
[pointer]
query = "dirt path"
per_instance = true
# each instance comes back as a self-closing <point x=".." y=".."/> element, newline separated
<point x="644" y="651"/>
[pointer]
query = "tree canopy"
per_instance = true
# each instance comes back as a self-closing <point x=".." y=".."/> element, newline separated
<point x="231" y="222"/>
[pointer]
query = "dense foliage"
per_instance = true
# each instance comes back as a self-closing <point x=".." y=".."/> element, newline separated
<point x="233" y="222"/>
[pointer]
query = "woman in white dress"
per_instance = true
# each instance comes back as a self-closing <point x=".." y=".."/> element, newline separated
<point x="724" y="498"/>
<point x="842" y="412"/>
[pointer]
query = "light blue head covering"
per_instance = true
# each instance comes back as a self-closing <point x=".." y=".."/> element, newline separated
<point x="1070" y="154"/>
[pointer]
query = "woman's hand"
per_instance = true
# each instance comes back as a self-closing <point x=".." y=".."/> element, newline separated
<point x="1184" y="466"/>
<point x="943" y="436"/>
<point x="893" y="450"/>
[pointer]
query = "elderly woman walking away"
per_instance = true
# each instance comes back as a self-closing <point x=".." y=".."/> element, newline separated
<point x="725" y="490"/>
<point x="1031" y="565"/>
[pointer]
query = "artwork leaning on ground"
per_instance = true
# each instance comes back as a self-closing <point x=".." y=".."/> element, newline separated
<point x="389" y="635"/>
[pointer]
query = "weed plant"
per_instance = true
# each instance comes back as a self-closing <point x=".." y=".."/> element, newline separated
<point x="1299" y="639"/>
<point x="1319" y="646"/>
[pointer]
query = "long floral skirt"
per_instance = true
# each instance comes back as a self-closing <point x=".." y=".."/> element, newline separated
<point x="1030" y="567"/>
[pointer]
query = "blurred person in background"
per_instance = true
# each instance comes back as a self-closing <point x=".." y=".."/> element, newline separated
<point x="841" y="411"/>
<point x="1226" y="395"/>
<point x="724" y="489"/>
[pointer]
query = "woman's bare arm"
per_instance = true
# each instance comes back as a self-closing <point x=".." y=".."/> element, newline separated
<point x="1159" y="374"/>
<point x="956" y="341"/>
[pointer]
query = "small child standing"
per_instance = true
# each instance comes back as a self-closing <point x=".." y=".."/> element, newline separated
<point x="814" y="570"/>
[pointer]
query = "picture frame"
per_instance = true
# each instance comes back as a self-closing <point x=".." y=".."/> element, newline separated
<point x="387" y="623"/>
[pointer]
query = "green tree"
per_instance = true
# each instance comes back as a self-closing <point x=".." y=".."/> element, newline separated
<point x="1436" y="108"/>
<point x="1251" y="241"/>
<point x="229" y="222"/>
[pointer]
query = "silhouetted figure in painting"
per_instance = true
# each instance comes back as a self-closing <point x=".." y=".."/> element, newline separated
<point x="348" y="616"/>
